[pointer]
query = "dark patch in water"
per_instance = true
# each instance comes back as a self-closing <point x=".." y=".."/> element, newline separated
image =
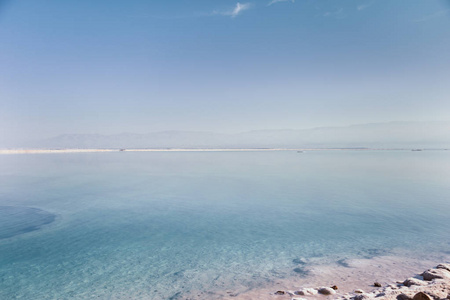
<point x="343" y="263"/>
<point x="274" y="272"/>
<point x="315" y="254"/>
<point x="301" y="271"/>
<point x="175" y="296"/>
<point x="376" y="252"/>
<point x="19" y="220"/>
<point x="371" y="253"/>
<point x="299" y="261"/>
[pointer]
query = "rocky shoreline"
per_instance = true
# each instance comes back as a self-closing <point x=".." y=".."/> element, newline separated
<point x="432" y="284"/>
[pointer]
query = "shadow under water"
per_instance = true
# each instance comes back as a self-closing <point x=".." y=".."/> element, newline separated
<point x="16" y="220"/>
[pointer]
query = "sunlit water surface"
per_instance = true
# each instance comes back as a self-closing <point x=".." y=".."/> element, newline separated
<point x="163" y="225"/>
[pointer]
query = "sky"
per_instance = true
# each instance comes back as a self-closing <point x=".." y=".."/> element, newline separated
<point x="110" y="66"/>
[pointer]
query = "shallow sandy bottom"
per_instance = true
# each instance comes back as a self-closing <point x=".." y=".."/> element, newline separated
<point x="356" y="274"/>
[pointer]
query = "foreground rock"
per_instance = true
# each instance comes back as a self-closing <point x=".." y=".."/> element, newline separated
<point x="307" y="292"/>
<point x="413" y="281"/>
<point x="433" y="284"/>
<point x="444" y="266"/>
<point x="327" y="291"/>
<point x="436" y="274"/>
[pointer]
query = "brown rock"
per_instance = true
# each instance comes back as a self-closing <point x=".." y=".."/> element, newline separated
<point x="421" y="296"/>
<point x="280" y="293"/>
<point x="334" y="287"/>
<point x="377" y="284"/>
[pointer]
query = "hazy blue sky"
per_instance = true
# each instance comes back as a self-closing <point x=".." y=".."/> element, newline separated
<point x="110" y="66"/>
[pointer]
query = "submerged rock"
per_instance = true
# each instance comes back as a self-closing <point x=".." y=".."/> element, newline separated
<point x="299" y="261"/>
<point x="16" y="220"/>
<point x="326" y="291"/>
<point x="302" y="271"/>
<point x="343" y="262"/>
<point x="359" y="291"/>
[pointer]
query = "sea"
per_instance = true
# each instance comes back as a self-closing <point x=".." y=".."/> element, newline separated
<point x="210" y="225"/>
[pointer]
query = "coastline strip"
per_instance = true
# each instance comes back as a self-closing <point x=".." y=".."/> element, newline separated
<point x="46" y="151"/>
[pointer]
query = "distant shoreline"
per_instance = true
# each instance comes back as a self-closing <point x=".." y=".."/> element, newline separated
<point x="46" y="151"/>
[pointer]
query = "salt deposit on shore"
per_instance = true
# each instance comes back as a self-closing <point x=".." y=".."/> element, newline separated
<point x="39" y="151"/>
<point x="382" y="277"/>
<point x="42" y="151"/>
<point x="431" y="284"/>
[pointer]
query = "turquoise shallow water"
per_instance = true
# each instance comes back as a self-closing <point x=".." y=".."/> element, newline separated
<point x="163" y="225"/>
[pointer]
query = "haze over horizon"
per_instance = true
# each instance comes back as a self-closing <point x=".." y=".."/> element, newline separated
<point x="107" y="67"/>
<point x="394" y="135"/>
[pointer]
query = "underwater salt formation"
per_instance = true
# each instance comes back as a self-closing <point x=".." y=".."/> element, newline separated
<point x="16" y="220"/>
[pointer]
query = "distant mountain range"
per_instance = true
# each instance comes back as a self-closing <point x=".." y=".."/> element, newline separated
<point x="376" y="135"/>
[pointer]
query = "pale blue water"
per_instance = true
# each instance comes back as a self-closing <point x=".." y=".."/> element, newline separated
<point x="165" y="225"/>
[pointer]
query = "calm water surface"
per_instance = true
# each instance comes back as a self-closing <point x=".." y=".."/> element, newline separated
<point x="162" y="225"/>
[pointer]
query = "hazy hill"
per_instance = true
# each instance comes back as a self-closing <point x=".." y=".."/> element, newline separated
<point x="377" y="135"/>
